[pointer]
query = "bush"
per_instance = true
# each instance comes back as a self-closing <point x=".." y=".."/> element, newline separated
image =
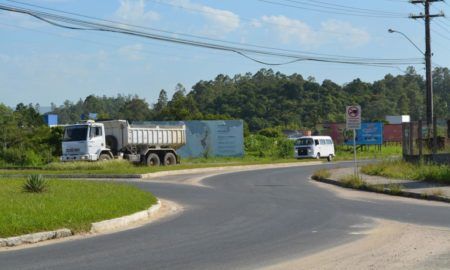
<point x="35" y="183"/>
<point x="271" y="132"/>
<point x="267" y="147"/>
<point x="285" y="148"/>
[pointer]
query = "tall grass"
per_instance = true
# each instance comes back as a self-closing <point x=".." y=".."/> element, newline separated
<point x="399" y="169"/>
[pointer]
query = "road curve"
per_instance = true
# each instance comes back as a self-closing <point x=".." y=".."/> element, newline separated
<point x="242" y="220"/>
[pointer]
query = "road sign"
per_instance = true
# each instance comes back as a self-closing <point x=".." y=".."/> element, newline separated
<point x="353" y="116"/>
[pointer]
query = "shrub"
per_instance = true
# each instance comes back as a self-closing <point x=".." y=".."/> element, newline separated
<point x="35" y="183"/>
<point x="271" y="132"/>
<point x="285" y="148"/>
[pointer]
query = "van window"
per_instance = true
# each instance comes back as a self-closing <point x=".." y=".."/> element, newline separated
<point x="316" y="142"/>
<point x="322" y="141"/>
<point x="304" y="141"/>
<point x="329" y="141"/>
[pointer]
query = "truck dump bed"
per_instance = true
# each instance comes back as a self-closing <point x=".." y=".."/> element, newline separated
<point x="153" y="136"/>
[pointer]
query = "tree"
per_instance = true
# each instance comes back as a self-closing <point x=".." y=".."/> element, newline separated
<point x="162" y="102"/>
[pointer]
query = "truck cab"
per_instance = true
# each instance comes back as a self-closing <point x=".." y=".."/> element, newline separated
<point x="85" y="141"/>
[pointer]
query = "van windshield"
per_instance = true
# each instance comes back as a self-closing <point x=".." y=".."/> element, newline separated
<point x="304" y="141"/>
<point x="75" y="133"/>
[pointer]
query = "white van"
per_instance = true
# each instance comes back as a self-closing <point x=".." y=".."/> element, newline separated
<point x="314" y="147"/>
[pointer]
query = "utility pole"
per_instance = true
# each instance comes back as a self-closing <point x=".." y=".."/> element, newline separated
<point x="429" y="78"/>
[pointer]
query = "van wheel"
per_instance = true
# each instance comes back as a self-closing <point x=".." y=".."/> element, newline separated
<point x="330" y="158"/>
<point x="153" y="160"/>
<point x="104" y="157"/>
<point x="318" y="156"/>
<point x="169" y="159"/>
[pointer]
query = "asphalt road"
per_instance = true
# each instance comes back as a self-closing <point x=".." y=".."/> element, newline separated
<point x="246" y="220"/>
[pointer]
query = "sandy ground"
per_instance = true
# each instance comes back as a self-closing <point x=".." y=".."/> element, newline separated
<point x="388" y="245"/>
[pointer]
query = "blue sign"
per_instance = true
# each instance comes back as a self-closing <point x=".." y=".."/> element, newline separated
<point x="51" y="120"/>
<point x="369" y="134"/>
<point x="215" y="138"/>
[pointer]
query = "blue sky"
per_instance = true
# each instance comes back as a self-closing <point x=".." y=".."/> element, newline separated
<point x="40" y="63"/>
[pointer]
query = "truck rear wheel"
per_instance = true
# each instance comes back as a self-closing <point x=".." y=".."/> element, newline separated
<point x="169" y="159"/>
<point x="153" y="160"/>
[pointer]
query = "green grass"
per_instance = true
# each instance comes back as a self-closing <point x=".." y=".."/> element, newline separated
<point x="125" y="167"/>
<point x="356" y="182"/>
<point x="66" y="204"/>
<point x="321" y="174"/>
<point x="398" y="169"/>
<point x="389" y="151"/>
<point x="353" y="181"/>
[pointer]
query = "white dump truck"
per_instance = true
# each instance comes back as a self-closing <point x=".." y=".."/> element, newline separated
<point x="149" y="144"/>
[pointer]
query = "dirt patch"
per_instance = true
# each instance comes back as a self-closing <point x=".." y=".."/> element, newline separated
<point x="390" y="245"/>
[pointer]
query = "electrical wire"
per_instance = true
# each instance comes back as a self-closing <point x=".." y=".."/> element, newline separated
<point x="77" y="24"/>
<point x="190" y="35"/>
<point x="333" y="6"/>
<point x="331" y="11"/>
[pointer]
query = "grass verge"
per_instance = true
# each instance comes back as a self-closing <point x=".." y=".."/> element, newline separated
<point x="321" y="174"/>
<point x="398" y="169"/>
<point x="371" y="152"/>
<point x="357" y="182"/>
<point x="66" y="204"/>
<point x="125" y="167"/>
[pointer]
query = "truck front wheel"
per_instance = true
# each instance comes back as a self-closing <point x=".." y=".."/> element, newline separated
<point x="153" y="160"/>
<point x="169" y="159"/>
<point x="104" y="157"/>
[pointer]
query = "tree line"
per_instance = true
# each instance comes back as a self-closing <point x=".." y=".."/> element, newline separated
<point x="264" y="100"/>
<point x="268" y="99"/>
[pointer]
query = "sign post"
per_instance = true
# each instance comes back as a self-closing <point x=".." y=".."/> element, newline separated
<point x="353" y="121"/>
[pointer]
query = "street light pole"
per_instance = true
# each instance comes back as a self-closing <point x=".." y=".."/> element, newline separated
<point x="429" y="76"/>
<point x="410" y="41"/>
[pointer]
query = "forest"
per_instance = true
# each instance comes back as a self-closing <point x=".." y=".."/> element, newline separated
<point x="266" y="101"/>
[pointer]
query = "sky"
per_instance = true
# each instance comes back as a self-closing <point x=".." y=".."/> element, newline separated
<point x="42" y="63"/>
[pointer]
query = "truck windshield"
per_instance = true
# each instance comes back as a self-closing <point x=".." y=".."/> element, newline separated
<point x="75" y="133"/>
<point x="304" y="141"/>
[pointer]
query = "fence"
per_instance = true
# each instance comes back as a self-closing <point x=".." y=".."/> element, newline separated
<point x="427" y="143"/>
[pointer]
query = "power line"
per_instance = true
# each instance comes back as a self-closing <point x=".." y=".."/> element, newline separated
<point x="190" y="35"/>
<point x="331" y="11"/>
<point x="78" y="24"/>
<point x="323" y="4"/>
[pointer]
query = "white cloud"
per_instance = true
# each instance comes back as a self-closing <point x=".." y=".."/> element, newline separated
<point x="346" y="33"/>
<point x="296" y="31"/>
<point x="134" y="11"/>
<point x="291" y="30"/>
<point x="220" y="22"/>
<point x="132" y="52"/>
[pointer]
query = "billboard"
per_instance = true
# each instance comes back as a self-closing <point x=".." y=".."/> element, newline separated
<point x="392" y="133"/>
<point x="369" y="134"/>
<point x="215" y="138"/>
